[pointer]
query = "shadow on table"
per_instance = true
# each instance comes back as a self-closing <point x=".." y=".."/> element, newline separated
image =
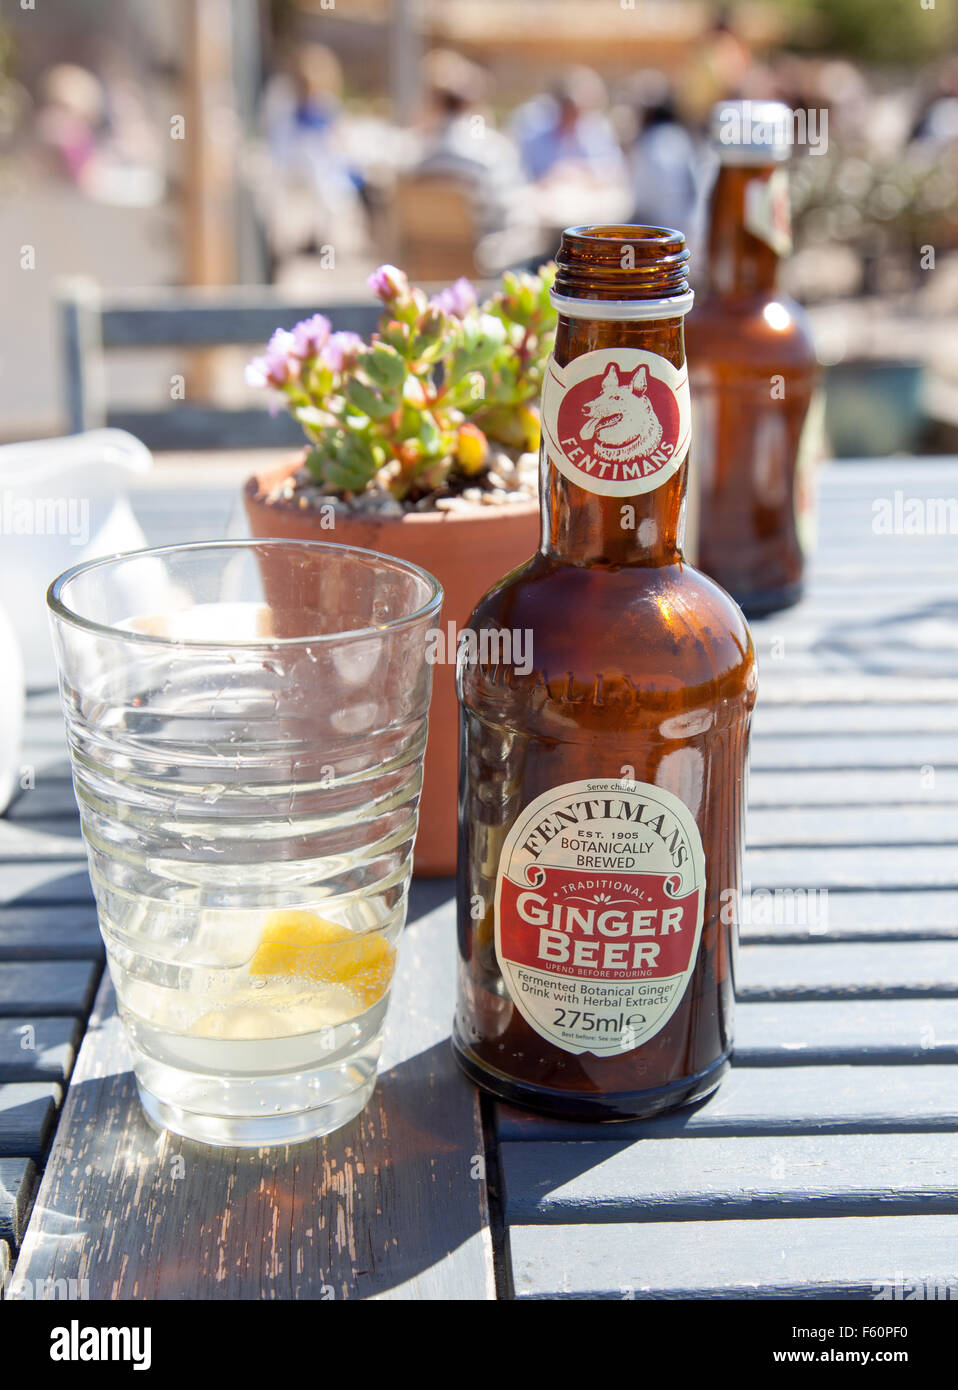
<point x="391" y="1205"/>
<point x="910" y="639"/>
<point x="387" y="1206"/>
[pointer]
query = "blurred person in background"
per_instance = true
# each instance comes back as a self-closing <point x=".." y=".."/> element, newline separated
<point x="309" y="192"/>
<point x="663" y="163"/>
<point x="937" y="120"/>
<point x="718" y="68"/>
<point x="855" y="111"/>
<point x="96" y="133"/>
<point x="71" y="120"/>
<point x="459" y="141"/>
<point x="566" y="133"/>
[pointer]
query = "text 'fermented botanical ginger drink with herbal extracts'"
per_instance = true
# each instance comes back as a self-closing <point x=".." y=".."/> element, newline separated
<point x="602" y="785"/>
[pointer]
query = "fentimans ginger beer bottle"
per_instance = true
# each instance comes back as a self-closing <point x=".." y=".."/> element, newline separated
<point x="602" y="780"/>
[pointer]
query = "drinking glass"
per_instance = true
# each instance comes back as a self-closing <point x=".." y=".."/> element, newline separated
<point x="246" y="723"/>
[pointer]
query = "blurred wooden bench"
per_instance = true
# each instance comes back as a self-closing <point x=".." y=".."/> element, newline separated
<point x="93" y="323"/>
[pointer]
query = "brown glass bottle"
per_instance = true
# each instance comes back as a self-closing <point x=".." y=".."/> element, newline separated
<point x="637" y="696"/>
<point x="753" y="374"/>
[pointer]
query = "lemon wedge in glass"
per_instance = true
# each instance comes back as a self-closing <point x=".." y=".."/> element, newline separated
<point x="301" y="944"/>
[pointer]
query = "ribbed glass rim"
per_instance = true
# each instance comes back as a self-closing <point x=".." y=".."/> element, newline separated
<point x="63" y="613"/>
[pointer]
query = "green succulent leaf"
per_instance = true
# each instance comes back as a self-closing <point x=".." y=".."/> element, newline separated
<point x="384" y="366"/>
<point x="368" y="400"/>
<point x="468" y="392"/>
<point x="354" y="464"/>
<point x="311" y="416"/>
<point x="395" y="334"/>
<point x="430" y="351"/>
<point x="318" y="380"/>
<point x="482" y="337"/>
<point x="502" y="423"/>
<point x="430" y="435"/>
<point x="319" y="457"/>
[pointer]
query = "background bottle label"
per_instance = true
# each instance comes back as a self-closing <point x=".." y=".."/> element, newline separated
<point x="600" y="895"/>
<point x="811" y="450"/>
<point x="767" y="212"/>
<point x="617" y="421"/>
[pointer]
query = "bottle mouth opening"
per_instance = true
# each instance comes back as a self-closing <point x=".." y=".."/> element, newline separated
<point x="621" y="261"/>
<point x="618" y="232"/>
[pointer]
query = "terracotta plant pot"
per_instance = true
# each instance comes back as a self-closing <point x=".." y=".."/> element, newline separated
<point x="467" y="552"/>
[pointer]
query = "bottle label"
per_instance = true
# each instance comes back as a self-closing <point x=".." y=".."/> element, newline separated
<point x="767" y="212"/>
<point x="811" y="450"/>
<point x="600" y="895"/>
<point x="617" y="421"/>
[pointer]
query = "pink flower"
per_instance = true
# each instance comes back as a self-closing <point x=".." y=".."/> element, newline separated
<point x="278" y="365"/>
<point x="457" y="300"/>
<point x="257" y="372"/>
<point x="310" y="336"/>
<point x="388" y="282"/>
<point x="341" y="350"/>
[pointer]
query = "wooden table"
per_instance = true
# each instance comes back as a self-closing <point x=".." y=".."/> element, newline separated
<point x="825" y="1166"/>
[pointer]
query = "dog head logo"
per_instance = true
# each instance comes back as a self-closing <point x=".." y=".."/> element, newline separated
<point x="617" y="423"/>
<point x="621" y="418"/>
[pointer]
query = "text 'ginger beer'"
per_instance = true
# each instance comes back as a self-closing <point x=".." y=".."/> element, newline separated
<point x="753" y="373"/>
<point x="602" y="779"/>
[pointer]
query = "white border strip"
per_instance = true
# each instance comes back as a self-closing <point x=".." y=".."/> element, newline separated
<point x="622" y="310"/>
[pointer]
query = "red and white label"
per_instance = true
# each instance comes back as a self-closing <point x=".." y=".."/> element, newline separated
<point x="768" y="213"/>
<point x="617" y="422"/>
<point x="600" y="896"/>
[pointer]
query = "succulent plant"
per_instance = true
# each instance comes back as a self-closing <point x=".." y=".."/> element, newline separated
<point x="415" y="410"/>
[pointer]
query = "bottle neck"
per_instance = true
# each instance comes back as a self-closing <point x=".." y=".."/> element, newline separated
<point x="586" y="528"/>
<point x="741" y="263"/>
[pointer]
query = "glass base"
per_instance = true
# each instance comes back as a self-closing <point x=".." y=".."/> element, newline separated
<point x="256" y="1131"/>
<point x="236" y="1109"/>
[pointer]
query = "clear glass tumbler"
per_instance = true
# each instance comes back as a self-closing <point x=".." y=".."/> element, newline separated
<point x="246" y="723"/>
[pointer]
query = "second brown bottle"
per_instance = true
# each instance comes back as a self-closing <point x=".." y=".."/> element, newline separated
<point x="753" y="374"/>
